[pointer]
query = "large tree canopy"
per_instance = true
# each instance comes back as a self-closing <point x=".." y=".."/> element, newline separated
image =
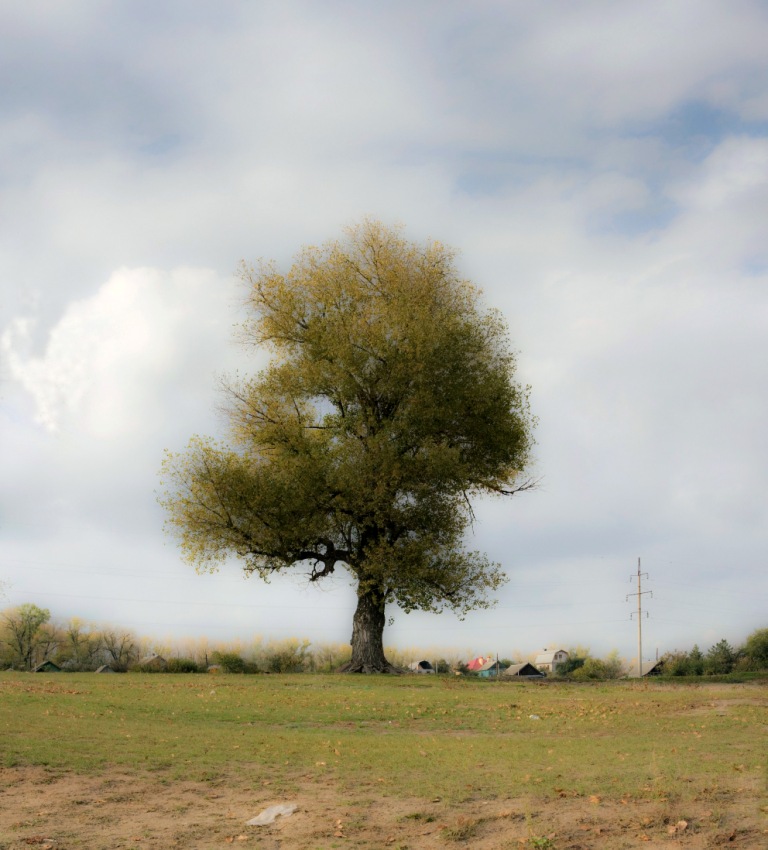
<point x="389" y="402"/>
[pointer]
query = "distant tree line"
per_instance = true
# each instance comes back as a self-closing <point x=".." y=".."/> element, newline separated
<point x="721" y="658"/>
<point x="29" y="637"/>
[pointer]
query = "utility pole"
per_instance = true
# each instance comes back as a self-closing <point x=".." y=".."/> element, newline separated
<point x="639" y="595"/>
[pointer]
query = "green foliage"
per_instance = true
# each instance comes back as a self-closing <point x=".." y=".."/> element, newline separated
<point x="720" y="658"/>
<point x="676" y="664"/>
<point x="230" y="662"/>
<point x="611" y="667"/>
<point x="756" y="649"/>
<point x="592" y="668"/>
<point x="182" y="665"/>
<point x="696" y="661"/>
<point x="569" y="667"/>
<point x="390" y="402"/>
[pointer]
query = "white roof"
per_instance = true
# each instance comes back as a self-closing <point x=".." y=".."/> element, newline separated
<point x="549" y="656"/>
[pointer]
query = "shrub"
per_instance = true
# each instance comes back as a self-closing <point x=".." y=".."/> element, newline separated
<point x="182" y="665"/>
<point x="289" y="656"/>
<point x="592" y="668"/>
<point x="756" y="649"/>
<point x="230" y="662"/>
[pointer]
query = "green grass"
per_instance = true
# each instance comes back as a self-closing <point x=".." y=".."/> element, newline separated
<point x="454" y="739"/>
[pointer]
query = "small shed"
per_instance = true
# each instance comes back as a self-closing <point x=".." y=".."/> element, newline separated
<point x="47" y="667"/>
<point x="523" y="671"/>
<point x="153" y="664"/>
<point x="421" y="667"/>
<point x="476" y="663"/>
<point x="650" y="668"/>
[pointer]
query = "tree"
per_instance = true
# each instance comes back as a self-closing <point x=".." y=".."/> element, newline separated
<point x="577" y="657"/>
<point x="756" y="649"/>
<point x="614" y="665"/>
<point x="120" y="648"/>
<point x="676" y="663"/>
<point x="24" y="635"/>
<point x="389" y="403"/>
<point x="696" y="661"/>
<point x="81" y="645"/>
<point x="720" y="658"/>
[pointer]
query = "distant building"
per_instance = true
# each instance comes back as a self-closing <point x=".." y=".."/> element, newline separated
<point x="490" y="669"/>
<point x="476" y="663"/>
<point x="649" y="668"/>
<point x="549" y="660"/>
<point x="153" y="664"/>
<point x="523" y="671"/>
<point x="421" y="667"/>
<point x="47" y="667"/>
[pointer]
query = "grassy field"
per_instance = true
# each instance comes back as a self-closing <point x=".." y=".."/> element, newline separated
<point x="441" y="751"/>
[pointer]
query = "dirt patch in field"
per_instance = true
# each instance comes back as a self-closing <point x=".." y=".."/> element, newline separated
<point x="723" y="706"/>
<point x="51" y="810"/>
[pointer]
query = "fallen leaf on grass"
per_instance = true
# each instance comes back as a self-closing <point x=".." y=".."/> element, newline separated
<point x="594" y="799"/>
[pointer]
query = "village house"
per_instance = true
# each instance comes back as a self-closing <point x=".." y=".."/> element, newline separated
<point x="550" y="660"/>
<point x="490" y="669"/>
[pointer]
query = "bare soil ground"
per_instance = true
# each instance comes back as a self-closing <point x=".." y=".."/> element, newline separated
<point x="55" y="810"/>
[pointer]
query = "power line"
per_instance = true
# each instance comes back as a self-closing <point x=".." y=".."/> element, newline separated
<point x="639" y="594"/>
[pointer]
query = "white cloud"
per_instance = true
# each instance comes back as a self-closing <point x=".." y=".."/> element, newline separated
<point x="111" y="357"/>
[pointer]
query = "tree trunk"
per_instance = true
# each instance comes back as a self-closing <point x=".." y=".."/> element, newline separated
<point x="368" y="635"/>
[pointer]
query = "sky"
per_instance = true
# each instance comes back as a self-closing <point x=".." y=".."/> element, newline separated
<point x="602" y="170"/>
